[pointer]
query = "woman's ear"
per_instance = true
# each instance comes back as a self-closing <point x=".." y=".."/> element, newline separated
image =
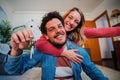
<point x="45" y="36"/>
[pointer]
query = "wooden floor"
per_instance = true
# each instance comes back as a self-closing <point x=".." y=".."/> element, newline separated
<point x="109" y="63"/>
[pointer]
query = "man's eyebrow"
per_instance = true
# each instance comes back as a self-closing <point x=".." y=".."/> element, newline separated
<point x="60" y="24"/>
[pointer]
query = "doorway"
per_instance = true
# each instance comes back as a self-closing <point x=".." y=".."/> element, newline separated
<point x="106" y="44"/>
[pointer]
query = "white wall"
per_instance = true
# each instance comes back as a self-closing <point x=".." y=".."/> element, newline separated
<point x="26" y="17"/>
<point x="108" y="5"/>
<point x="3" y="15"/>
<point x="7" y="9"/>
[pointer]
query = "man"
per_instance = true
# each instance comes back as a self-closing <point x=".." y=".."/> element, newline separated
<point x="52" y="67"/>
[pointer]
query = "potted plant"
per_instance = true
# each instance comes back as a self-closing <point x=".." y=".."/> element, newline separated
<point x="6" y="30"/>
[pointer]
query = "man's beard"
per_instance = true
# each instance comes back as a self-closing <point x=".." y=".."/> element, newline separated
<point x="57" y="44"/>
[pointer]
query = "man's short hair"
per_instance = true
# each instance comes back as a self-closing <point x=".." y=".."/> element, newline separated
<point x="49" y="16"/>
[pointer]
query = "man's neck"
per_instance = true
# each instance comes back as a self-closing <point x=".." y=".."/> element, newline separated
<point x="64" y="46"/>
<point x="58" y="45"/>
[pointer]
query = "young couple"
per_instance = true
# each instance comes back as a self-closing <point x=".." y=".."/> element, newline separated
<point x="52" y="28"/>
<point x="73" y="23"/>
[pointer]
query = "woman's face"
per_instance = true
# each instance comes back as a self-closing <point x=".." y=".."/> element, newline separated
<point x="72" y="21"/>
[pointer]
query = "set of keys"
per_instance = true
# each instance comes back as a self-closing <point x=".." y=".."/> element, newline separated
<point x="32" y="48"/>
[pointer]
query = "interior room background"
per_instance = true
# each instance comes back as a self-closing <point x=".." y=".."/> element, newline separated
<point x="29" y="18"/>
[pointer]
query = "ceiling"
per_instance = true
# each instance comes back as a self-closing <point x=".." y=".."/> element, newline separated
<point x="86" y="6"/>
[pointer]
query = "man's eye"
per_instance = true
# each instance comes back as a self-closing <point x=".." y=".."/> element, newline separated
<point x="51" y="29"/>
<point x="60" y="26"/>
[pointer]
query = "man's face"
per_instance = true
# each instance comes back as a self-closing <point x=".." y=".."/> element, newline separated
<point x="56" y="33"/>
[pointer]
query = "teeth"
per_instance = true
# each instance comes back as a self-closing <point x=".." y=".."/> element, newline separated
<point x="59" y="37"/>
<point x="68" y="27"/>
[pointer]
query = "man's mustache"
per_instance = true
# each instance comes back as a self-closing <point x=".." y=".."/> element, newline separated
<point x="59" y="33"/>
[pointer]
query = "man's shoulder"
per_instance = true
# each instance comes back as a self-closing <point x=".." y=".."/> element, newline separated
<point x="72" y="45"/>
<point x="37" y="52"/>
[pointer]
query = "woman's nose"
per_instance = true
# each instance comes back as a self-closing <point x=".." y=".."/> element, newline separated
<point x="72" y="21"/>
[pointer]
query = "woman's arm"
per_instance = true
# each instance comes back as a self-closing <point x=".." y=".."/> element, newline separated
<point x="102" y="32"/>
<point x="44" y="46"/>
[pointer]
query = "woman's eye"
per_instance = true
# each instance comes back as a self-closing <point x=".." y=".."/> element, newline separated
<point x="70" y="17"/>
<point x="76" y="21"/>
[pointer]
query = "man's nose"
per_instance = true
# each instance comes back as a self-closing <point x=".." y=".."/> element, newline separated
<point x="57" y="30"/>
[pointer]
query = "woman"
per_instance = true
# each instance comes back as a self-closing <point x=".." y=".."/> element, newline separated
<point x="73" y="22"/>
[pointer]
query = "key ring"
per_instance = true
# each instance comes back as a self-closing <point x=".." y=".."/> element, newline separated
<point x="32" y="48"/>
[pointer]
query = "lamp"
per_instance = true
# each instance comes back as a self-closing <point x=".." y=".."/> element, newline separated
<point x="115" y="13"/>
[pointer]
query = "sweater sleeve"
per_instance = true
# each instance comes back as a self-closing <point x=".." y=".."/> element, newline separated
<point x="16" y="65"/>
<point x="46" y="47"/>
<point x="102" y="32"/>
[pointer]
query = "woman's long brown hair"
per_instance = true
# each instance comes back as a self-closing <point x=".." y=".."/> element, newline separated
<point x="77" y="34"/>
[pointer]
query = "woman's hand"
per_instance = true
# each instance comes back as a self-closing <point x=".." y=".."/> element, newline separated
<point x="72" y="55"/>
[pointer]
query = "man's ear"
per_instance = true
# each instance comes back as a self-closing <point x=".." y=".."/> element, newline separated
<point x="45" y="36"/>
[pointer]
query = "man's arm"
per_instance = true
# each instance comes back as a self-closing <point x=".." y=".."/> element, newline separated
<point x="19" y="41"/>
<point x="16" y="62"/>
<point x="87" y="65"/>
<point x="19" y="64"/>
<point x="90" y="68"/>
